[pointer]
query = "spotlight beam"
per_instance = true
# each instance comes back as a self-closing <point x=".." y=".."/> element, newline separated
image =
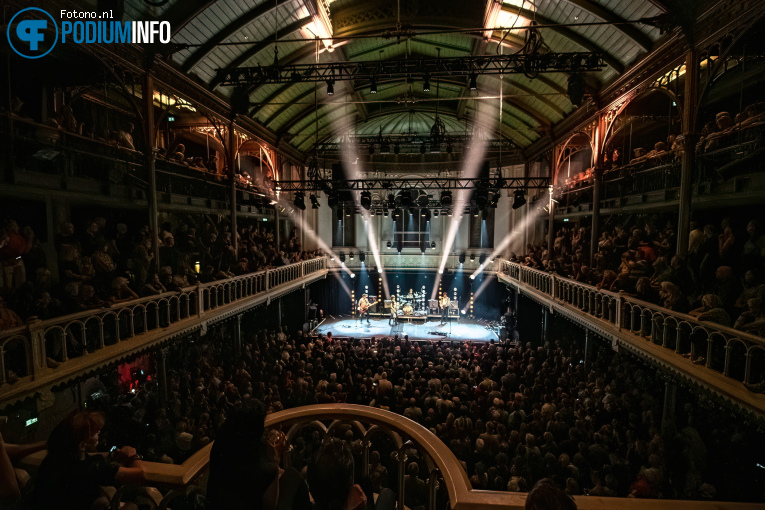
<point x="302" y="225"/>
<point x="516" y="231"/>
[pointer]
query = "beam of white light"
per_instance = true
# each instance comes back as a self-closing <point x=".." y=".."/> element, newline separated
<point x="530" y="218"/>
<point x="483" y="286"/>
<point x="350" y="156"/>
<point x="474" y="158"/>
<point x="303" y="225"/>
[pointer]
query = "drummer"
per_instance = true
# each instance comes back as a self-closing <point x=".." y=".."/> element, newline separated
<point x="393" y="310"/>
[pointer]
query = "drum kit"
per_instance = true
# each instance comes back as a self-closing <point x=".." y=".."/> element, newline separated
<point x="412" y="305"/>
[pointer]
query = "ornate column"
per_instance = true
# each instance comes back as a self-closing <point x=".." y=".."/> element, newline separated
<point x="690" y="101"/>
<point x="232" y="149"/>
<point x="597" y="175"/>
<point x="149" y="164"/>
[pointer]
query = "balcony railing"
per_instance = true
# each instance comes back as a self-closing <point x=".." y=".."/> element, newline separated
<point x="30" y="349"/>
<point x="445" y="473"/>
<point x="730" y="352"/>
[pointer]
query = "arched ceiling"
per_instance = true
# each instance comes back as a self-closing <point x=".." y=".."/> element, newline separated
<point x="233" y="33"/>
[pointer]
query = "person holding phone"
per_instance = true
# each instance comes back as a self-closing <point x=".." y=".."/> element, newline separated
<point x="71" y="475"/>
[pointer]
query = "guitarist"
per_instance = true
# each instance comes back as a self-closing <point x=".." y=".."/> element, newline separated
<point x="393" y="310"/>
<point x="364" y="307"/>
<point x="444" y="303"/>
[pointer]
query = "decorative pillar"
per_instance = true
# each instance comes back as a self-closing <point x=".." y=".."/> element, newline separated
<point x="668" y="410"/>
<point x="690" y="101"/>
<point x="149" y="163"/>
<point x="587" y="348"/>
<point x="232" y="149"/>
<point x="238" y="333"/>
<point x="597" y="175"/>
<point x="161" y="360"/>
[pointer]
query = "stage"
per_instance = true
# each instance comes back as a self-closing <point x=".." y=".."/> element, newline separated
<point x="464" y="330"/>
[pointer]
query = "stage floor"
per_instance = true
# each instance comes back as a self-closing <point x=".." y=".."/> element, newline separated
<point x="464" y="330"/>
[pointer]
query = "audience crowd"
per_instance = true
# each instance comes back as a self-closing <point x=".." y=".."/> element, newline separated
<point x="722" y="280"/>
<point x="512" y="415"/>
<point x="103" y="264"/>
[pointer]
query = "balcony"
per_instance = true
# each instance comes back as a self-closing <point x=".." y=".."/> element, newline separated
<point x="728" y="175"/>
<point x="668" y="339"/>
<point x="51" y="352"/>
<point x="46" y="160"/>
<point x="445" y="473"/>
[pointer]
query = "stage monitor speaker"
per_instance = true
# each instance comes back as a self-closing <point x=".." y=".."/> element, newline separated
<point x="340" y="177"/>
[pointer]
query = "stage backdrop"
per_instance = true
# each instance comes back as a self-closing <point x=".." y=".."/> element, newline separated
<point x="334" y="293"/>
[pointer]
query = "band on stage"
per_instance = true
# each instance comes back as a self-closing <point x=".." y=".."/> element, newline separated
<point x="412" y="304"/>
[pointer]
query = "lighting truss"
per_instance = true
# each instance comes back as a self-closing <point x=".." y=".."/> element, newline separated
<point x="423" y="183"/>
<point x="331" y="72"/>
<point x="412" y="142"/>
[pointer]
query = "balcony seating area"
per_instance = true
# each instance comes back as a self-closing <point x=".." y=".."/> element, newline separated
<point x="474" y="425"/>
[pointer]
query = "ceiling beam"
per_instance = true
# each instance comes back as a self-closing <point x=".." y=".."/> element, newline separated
<point x="293" y="57"/>
<point x="604" y="14"/>
<point x="228" y="31"/>
<point x="260" y="46"/>
<point x="569" y="34"/>
<point x="181" y="14"/>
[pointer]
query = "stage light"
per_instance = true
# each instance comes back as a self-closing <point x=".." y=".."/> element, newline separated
<point x="473" y="84"/>
<point x="446" y="198"/>
<point x="472" y="277"/>
<point x="475" y="213"/>
<point x="391" y="201"/>
<point x="435" y="213"/>
<point x="351" y="255"/>
<point x="576" y="88"/>
<point x="440" y="271"/>
<point x="519" y="199"/>
<point x="348" y="211"/>
<point x="482" y="198"/>
<point x="299" y="200"/>
<point x="366" y="199"/>
<point x="484" y="214"/>
<point x="362" y="256"/>
<point x="389" y="244"/>
<point x="426" y="83"/>
<point x="426" y="214"/>
<point x="494" y="200"/>
<point x="432" y="245"/>
<point x="397" y="213"/>
<point x="472" y="257"/>
<point x="314" y="202"/>
<point x="385" y="213"/>
<point x="342" y="257"/>
<point x="332" y="200"/>
<point x="462" y="258"/>
<point x="330" y="88"/>
<point x="373" y="85"/>
<point x="331" y="257"/>
<point x="449" y="212"/>
<point x="406" y="199"/>
<point x="353" y="275"/>
<point x="422" y="199"/>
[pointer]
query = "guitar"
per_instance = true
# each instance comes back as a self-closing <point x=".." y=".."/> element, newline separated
<point x="363" y="307"/>
<point x="444" y="302"/>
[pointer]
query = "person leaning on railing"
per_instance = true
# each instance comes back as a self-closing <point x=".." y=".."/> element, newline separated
<point x="71" y="475"/>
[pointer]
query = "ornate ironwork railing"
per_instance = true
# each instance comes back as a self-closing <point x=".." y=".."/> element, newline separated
<point x="31" y="350"/>
<point x="734" y="354"/>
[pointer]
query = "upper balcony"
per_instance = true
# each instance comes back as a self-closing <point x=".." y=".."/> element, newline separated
<point x="707" y="355"/>
<point x="42" y="354"/>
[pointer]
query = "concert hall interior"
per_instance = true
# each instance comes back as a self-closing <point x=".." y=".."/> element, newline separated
<point x="379" y="254"/>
